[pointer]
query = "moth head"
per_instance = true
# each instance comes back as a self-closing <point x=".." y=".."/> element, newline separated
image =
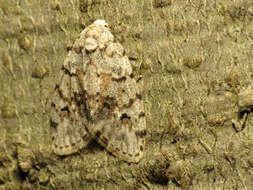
<point x="101" y="22"/>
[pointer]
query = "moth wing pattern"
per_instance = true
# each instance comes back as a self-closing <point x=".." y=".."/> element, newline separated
<point x="68" y="118"/>
<point x="115" y="111"/>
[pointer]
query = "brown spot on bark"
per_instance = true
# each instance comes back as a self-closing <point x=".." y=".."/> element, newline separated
<point x="69" y="48"/>
<point x="142" y="114"/>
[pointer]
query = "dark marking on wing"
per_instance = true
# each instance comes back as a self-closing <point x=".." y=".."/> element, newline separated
<point x="122" y="79"/>
<point x="141" y="133"/>
<point x="124" y="116"/>
<point x="138" y="96"/>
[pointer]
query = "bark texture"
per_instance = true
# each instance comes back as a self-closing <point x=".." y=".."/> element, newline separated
<point x="195" y="58"/>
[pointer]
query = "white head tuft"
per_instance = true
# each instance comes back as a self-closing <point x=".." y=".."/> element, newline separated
<point x="101" y="22"/>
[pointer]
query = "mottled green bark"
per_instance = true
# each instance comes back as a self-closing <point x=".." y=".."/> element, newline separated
<point x="194" y="57"/>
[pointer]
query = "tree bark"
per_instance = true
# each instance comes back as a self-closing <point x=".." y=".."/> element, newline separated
<point x="194" y="59"/>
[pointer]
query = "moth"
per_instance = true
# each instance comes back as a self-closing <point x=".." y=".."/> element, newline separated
<point x="98" y="98"/>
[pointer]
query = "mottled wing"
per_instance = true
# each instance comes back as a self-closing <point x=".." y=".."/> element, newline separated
<point x="114" y="104"/>
<point x="68" y="116"/>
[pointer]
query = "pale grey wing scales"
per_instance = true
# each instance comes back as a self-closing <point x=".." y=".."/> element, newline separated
<point x="98" y="92"/>
<point x="116" y="114"/>
<point x="68" y="117"/>
<point x="122" y="136"/>
<point x="118" y="122"/>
